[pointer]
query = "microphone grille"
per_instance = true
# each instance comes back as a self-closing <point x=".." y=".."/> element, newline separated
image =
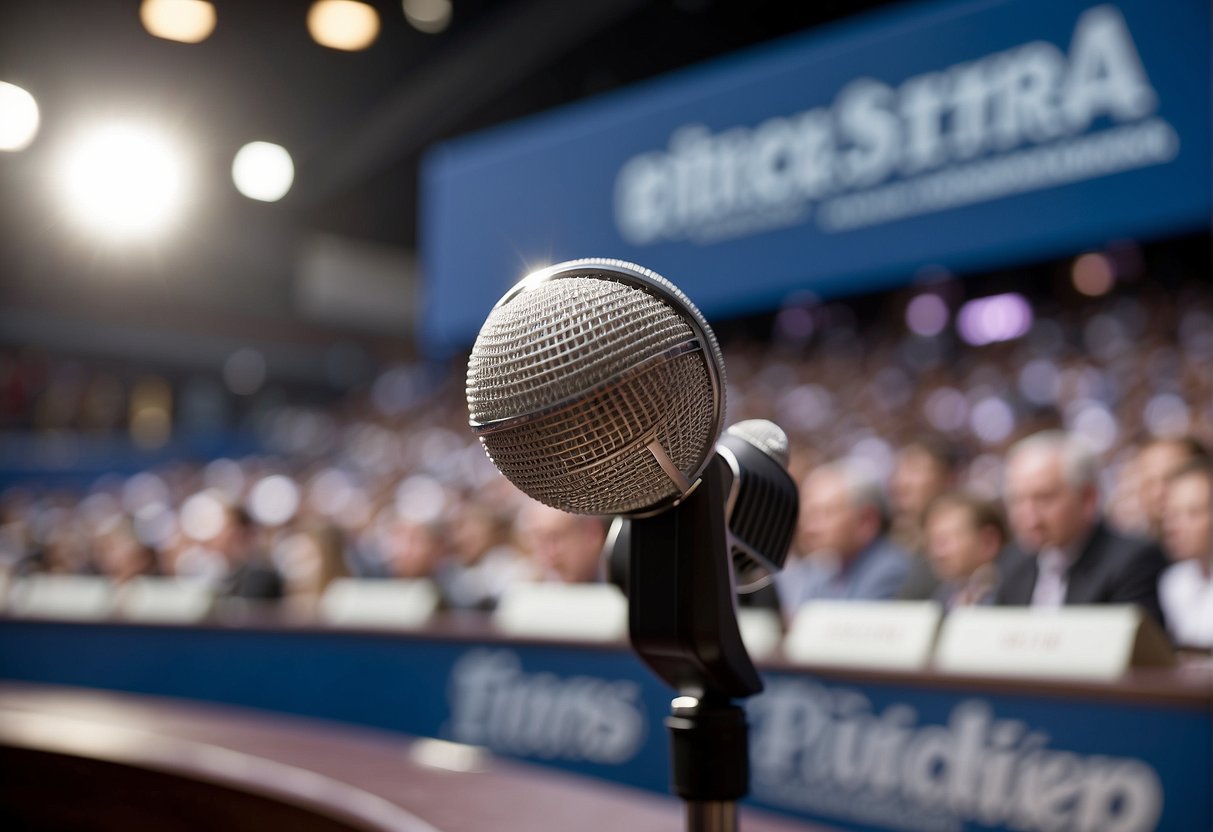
<point x="580" y="366"/>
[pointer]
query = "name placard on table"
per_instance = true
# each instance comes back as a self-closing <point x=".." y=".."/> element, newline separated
<point x="582" y="612"/>
<point x="1080" y="642"/>
<point x="370" y="602"/>
<point x="882" y="634"/>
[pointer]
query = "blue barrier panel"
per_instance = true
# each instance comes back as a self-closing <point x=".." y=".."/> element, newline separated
<point x="961" y="134"/>
<point x="899" y="753"/>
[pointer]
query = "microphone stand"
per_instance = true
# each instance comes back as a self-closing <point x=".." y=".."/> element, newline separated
<point x="683" y="624"/>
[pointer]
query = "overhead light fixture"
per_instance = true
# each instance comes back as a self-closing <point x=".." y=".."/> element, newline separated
<point x="185" y="21"/>
<point x="18" y="117"/>
<point x="263" y="171"/>
<point x="123" y="181"/>
<point x="343" y="24"/>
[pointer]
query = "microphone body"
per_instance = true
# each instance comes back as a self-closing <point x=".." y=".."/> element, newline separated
<point x="763" y="501"/>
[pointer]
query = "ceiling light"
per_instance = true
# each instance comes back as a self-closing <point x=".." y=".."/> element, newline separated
<point x="343" y="24"/>
<point x="18" y="117"/>
<point x="263" y="171"/>
<point x="123" y="180"/>
<point x="185" y="21"/>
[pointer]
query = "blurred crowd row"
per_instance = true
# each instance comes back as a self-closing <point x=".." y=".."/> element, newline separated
<point x="900" y="441"/>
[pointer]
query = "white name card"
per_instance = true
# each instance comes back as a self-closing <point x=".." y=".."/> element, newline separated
<point x="585" y="612"/>
<point x="165" y="600"/>
<point x="881" y="634"/>
<point x="1080" y="642"/>
<point x="77" y="597"/>
<point x="761" y="630"/>
<point x="386" y="603"/>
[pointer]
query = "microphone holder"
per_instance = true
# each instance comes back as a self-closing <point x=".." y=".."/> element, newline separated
<point x="683" y="624"/>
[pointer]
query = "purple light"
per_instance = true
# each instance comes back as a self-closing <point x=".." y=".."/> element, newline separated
<point x="994" y="318"/>
<point x="794" y="324"/>
<point x="927" y="315"/>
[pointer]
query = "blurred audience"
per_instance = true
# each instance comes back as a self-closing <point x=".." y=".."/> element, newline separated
<point x="1186" y="587"/>
<point x="250" y="573"/>
<point x="387" y="481"/>
<point x="120" y="555"/>
<point x="924" y="469"/>
<point x="483" y="562"/>
<point x="1157" y="460"/>
<point x="414" y="548"/>
<point x="567" y="548"/>
<point x="843" y="549"/>
<point x="965" y="536"/>
<point x="1052" y="496"/>
<point x="310" y="560"/>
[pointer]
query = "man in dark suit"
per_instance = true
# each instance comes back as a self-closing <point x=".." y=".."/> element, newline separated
<point x="1052" y="496"/>
<point x="250" y="574"/>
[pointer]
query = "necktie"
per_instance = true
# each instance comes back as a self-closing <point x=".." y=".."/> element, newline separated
<point x="1050" y="589"/>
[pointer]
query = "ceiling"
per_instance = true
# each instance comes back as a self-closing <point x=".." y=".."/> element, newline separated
<point x="356" y="124"/>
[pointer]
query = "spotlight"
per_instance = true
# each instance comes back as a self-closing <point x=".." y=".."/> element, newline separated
<point x="263" y="171"/>
<point x="185" y="21"/>
<point x="18" y="117"/>
<point x="343" y="24"/>
<point x="123" y="181"/>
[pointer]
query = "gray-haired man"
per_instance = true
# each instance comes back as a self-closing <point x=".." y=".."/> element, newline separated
<point x="1052" y="496"/>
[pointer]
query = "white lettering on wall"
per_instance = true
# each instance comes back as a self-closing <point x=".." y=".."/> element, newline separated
<point x="825" y="750"/>
<point x="1016" y="106"/>
<point x="495" y="704"/>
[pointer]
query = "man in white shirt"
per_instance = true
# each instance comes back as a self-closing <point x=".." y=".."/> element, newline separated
<point x="1186" y="587"/>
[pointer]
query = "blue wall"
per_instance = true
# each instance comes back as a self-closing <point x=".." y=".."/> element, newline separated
<point x="958" y="134"/>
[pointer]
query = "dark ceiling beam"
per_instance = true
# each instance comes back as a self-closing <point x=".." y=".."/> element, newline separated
<point x="499" y="54"/>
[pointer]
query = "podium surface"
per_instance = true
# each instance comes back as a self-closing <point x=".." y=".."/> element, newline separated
<point x="87" y="759"/>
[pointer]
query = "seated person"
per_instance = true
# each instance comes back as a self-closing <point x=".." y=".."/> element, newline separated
<point x="925" y="468"/>
<point x="964" y="537"/>
<point x="1186" y="587"/>
<point x="564" y="548"/>
<point x="845" y="553"/>
<point x="250" y="573"/>
<point x="1155" y="463"/>
<point x="483" y="563"/>
<point x="1052" y="497"/>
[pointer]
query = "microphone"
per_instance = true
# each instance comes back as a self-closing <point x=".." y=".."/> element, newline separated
<point x="597" y="387"/>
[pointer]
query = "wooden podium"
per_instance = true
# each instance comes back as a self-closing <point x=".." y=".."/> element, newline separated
<point x="89" y="760"/>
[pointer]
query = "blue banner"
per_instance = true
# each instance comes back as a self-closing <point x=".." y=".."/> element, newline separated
<point x="914" y="754"/>
<point x="961" y="135"/>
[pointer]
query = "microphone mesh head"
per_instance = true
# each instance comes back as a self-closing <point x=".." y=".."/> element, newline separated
<point x="577" y="369"/>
